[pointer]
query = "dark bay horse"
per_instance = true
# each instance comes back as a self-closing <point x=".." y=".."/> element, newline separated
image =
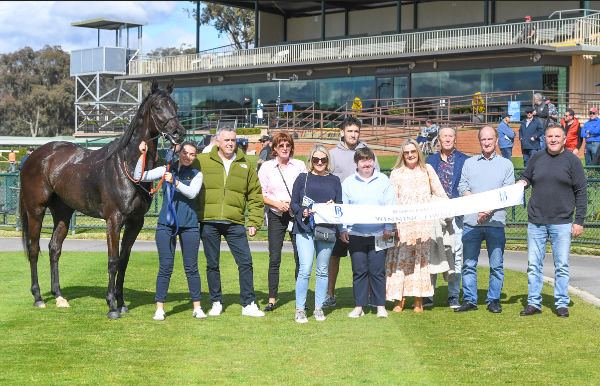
<point x="65" y="177"/>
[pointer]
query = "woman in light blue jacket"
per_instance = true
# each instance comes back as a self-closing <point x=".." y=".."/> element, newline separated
<point x="367" y="187"/>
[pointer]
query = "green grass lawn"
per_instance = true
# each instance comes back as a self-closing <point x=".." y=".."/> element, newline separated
<point x="79" y="345"/>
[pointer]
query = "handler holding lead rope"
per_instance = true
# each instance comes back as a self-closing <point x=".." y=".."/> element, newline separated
<point x="177" y="217"/>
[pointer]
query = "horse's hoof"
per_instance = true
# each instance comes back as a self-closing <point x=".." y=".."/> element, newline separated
<point x="114" y="315"/>
<point x="62" y="302"/>
<point x="40" y="304"/>
<point x="124" y="309"/>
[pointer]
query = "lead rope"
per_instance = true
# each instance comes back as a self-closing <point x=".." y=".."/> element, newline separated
<point x="171" y="210"/>
<point x="152" y="190"/>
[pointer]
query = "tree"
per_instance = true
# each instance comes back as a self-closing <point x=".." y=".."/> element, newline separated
<point x="236" y="23"/>
<point x="172" y="51"/>
<point x="36" y="93"/>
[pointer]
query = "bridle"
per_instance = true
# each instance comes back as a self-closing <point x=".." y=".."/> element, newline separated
<point x="160" y="130"/>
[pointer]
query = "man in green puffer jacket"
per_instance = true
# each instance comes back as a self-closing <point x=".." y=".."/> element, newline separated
<point x="230" y="184"/>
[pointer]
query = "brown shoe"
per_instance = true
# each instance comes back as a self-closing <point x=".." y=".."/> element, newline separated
<point x="530" y="310"/>
<point x="562" y="312"/>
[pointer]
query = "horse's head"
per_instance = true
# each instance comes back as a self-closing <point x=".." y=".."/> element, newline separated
<point x="163" y="114"/>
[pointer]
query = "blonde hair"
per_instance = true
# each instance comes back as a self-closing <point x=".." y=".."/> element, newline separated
<point x="313" y="150"/>
<point x="401" y="163"/>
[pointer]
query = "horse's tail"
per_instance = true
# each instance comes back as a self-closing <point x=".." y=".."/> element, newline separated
<point x="24" y="224"/>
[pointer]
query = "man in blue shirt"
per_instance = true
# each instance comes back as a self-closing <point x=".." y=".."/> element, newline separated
<point x="481" y="173"/>
<point x="591" y="133"/>
<point x="506" y="137"/>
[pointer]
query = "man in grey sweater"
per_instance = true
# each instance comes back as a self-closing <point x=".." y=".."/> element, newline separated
<point x="342" y="157"/>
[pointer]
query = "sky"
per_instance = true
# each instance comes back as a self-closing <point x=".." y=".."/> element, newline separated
<point x="38" y="23"/>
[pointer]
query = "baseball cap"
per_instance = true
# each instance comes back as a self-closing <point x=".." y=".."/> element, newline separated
<point x="529" y="110"/>
<point x="264" y="138"/>
<point x="527" y="17"/>
<point x="545" y="98"/>
<point x="594" y="110"/>
<point x="29" y="148"/>
<point x="504" y="115"/>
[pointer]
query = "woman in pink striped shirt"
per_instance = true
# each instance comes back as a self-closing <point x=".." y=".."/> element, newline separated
<point x="277" y="178"/>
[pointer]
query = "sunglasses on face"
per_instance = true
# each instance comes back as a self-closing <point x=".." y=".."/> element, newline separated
<point x="407" y="152"/>
<point x="316" y="160"/>
<point x="591" y="113"/>
<point x="284" y="145"/>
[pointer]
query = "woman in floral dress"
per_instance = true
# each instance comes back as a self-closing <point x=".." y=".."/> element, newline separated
<point x="407" y="263"/>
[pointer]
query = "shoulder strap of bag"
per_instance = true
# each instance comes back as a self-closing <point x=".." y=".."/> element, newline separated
<point x="286" y="187"/>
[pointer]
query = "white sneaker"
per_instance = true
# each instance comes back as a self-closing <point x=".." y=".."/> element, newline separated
<point x="382" y="313"/>
<point x="356" y="313"/>
<point x="198" y="313"/>
<point x="159" y="314"/>
<point x="300" y="317"/>
<point x="252" y="310"/>
<point x="319" y="315"/>
<point x="216" y="309"/>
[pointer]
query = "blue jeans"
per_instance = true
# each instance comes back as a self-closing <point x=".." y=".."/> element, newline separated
<point x="306" y="252"/>
<point x="495" y="240"/>
<point x="527" y="153"/>
<point x="368" y="271"/>
<point x="506" y="152"/>
<point x="591" y="148"/>
<point x="235" y="235"/>
<point x="454" y="285"/>
<point x="560" y="240"/>
<point x="189" y="241"/>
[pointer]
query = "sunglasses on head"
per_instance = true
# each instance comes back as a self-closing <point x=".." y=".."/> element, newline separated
<point x="316" y="160"/>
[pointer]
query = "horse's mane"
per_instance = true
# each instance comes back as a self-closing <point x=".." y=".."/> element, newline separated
<point x="123" y="140"/>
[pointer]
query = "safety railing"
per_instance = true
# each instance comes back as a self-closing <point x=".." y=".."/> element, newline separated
<point x="516" y="227"/>
<point x="559" y="32"/>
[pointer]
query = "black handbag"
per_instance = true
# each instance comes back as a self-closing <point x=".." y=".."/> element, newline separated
<point x="326" y="233"/>
<point x="323" y="232"/>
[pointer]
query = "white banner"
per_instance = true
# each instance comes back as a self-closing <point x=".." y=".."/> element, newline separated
<point x="375" y="214"/>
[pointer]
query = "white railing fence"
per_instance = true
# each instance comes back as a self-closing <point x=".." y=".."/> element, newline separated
<point x="559" y="32"/>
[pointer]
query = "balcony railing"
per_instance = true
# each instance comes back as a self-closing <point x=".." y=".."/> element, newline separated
<point x="561" y="32"/>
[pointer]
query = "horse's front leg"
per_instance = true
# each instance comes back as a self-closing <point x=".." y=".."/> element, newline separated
<point x="132" y="230"/>
<point x="32" y="242"/>
<point x="113" y="231"/>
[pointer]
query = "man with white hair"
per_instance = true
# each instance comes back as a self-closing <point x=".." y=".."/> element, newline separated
<point x="448" y="164"/>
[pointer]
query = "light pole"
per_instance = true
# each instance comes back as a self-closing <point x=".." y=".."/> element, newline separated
<point x="293" y="77"/>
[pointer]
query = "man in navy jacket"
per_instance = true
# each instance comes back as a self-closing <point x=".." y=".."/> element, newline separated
<point x="448" y="165"/>
<point x="530" y="132"/>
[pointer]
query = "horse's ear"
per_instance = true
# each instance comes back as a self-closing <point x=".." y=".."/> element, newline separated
<point x="154" y="86"/>
<point x="170" y="86"/>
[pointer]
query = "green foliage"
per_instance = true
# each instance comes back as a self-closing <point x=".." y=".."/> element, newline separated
<point x="462" y="110"/>
<point x="242" y="130"/>
<point x="236" y="23"/>
<point x="37" y="93"/>
<point x="79" y="345"/>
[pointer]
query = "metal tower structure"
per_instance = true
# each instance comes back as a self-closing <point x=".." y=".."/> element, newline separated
<point x="102" y="103"/>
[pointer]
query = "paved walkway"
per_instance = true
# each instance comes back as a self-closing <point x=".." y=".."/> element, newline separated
<point x="585" y="270"/>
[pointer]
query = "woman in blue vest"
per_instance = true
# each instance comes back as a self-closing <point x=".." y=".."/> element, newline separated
<point x="177" y="217"/>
